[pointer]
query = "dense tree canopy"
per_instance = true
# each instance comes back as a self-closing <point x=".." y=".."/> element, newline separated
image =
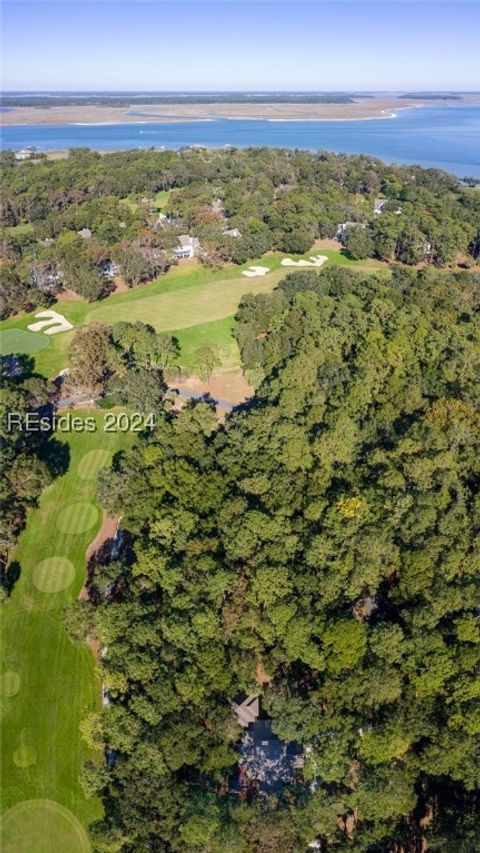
<point x="121" y="364"/>
<point x="75" y="222"/>
<point x="327" y="536"/>
<point x="26" y="462"/>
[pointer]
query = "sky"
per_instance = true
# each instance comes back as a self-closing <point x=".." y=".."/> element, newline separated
<point x="234" y="45"/>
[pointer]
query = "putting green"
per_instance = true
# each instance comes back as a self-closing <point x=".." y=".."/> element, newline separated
<point x="90" y="464"/>
<point x="40" y="826"/>
<point x="53" y="574"/>
<point x="77" y="518"/>
<point x="9" y="683"/>
<point x="25" y="756"/>
<point x="21" y="341"/>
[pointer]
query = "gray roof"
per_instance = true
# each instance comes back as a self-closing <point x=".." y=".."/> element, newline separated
<point x="187" y="242"/>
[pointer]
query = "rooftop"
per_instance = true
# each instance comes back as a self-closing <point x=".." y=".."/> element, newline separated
<point x="266" y="763"/>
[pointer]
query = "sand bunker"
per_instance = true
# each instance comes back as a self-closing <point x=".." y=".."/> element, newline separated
<point x="315" y="261"/>
<point x="52" y="323"/>
<point x="253" y="272"/>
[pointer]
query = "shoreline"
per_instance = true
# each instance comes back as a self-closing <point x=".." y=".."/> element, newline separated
<point x="372" y="109"/>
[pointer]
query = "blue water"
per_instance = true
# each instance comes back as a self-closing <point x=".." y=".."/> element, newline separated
<point x="444" y="137"/>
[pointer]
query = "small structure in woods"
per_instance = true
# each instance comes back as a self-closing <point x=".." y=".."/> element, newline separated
<point x="266" y="763"/>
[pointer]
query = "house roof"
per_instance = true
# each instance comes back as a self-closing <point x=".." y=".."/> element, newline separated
<point x="247" y="711"/>
<point x="265" y="760"/>
<point x="186" y="241"/>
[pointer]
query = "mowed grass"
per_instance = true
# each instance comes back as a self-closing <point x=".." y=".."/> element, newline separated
<point x="21" y="229"/>
<point x="189" y="296"/>
<point x="185" y="307"/>
<point x="31" y="827"/>
<point x="48" y="684"/>
<point x="161" y="198"/>
<point x="53" y="574"/>
<point x="219" y="334"/>
<point x="77" y="518"/>
<point x="20" y="340"/>
<point x="92" y="462"/>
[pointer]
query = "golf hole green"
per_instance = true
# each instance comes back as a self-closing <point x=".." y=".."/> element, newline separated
<point x="53" y="574"/>
<point x="9" y="683"/>
<point x="77" y="518"/>
<point x="25" y="756"/>
<point x="21" y="341"/>
<point x="40" y="826"/>
<point x="90" y="464"/>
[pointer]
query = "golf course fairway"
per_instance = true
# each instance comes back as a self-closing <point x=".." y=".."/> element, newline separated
<point x="48" y="684"/>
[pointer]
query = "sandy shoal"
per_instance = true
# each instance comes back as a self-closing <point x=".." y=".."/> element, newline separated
<point x="361" y="109"/>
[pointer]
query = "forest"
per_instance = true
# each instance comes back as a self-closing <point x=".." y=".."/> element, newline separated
<point x="319" y="550"/>
<point x="75" y="223"/>
<point x="128" y="99"/>
<point x="28" y="458"/>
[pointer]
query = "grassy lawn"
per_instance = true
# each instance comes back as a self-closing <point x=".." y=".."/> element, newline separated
<point x="36" y="825"/>
<point x="219" y="333"/>
<point x="336" y="257"/>
<point x="130" y="203"/>
<point x="48" y="684"/>
<point x="161" y="198"/>
<point x="185" y="306"/>
<point x="190" y="300"/>
<point x="21" y="229"/>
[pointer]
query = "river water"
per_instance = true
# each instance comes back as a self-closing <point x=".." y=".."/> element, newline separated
<point x="445" y="137"/>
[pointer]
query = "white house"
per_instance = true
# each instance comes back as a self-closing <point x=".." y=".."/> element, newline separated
<point x="25" y="153"/>
<point x="378" y="205"/>
<point x="232" y="232"/>
<point x="342" y="228"/>
<point x="188" y="247"/>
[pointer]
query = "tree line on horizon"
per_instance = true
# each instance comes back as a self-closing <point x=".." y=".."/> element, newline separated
<point x="132" y="99"/>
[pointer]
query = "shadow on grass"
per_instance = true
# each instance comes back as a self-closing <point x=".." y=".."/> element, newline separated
<point x="9" y="575"/>
<point x="56" y="455"/>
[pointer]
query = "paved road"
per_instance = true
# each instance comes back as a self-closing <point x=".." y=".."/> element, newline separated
<point x="185" y="394"/>
<point x="197" y="395"/>
<point x="74" y="400"/>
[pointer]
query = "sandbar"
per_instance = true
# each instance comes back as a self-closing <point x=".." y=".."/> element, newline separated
<point x="368" y="108"/>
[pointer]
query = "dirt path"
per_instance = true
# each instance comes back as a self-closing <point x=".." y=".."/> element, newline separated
<point x="68" y="296"/>
<point x="230" y="387"/>
<point x="107" y="531"/>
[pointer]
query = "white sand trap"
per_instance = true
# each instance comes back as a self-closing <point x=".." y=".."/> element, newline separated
<point x="52" y="324"/>
<point x="315" y="261"/>
<point x="253" y="272"/>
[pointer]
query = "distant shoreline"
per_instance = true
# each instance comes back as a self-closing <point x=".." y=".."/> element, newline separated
<point x="371" y="108"/>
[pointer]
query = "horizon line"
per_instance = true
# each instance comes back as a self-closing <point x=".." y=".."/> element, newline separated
<point x="262" y="91"/>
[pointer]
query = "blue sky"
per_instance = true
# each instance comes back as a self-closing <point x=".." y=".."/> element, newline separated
<point x="179" y="45"/>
